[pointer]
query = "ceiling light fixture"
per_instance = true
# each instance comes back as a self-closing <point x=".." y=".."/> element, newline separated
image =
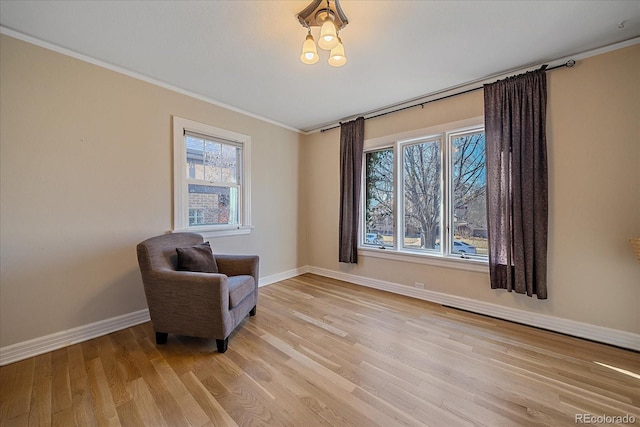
<point x="331" y="20"/>
<point x="309" y="52"/>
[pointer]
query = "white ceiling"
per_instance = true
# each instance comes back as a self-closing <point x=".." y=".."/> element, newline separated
<point x="245" y="54"/>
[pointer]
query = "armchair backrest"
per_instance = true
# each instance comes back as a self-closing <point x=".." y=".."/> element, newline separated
<point x="159" y="253"/>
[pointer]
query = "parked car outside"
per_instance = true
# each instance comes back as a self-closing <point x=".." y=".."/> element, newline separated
<point x="460" y="247"/>
<point x="373" y="239"/>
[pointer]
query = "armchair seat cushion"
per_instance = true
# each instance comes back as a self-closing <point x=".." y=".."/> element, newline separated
<point x="239" y="288"/>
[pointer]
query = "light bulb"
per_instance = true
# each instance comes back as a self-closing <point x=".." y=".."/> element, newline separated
<point x="337" y="57"/>
<point x="309" y="53"/>
<point x="328" y="35"/>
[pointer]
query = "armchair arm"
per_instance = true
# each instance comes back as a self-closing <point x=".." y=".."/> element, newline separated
<point x="188" y="303"/>
<point x="187" y="284"/>
<point x="236" y="265"/>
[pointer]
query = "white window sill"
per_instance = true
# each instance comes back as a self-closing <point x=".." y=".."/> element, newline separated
<point x="218" y="231"/>
<point x="468" y="264"/>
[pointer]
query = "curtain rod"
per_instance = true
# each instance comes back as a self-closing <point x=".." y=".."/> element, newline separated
<point x="570" y="63"/>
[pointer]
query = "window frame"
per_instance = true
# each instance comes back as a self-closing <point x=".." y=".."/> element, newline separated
<point x="181" y="181"/>
<point x="444" y="257"/>
<point x="449" y="206"/>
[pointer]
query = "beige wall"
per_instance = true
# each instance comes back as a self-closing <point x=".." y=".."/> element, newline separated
<point x="86" y="174"/>
<point x="594" y="160"/>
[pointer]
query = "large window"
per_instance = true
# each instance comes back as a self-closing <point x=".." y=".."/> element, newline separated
<point x="211" y="191"/>
<point x="425" y="195"/>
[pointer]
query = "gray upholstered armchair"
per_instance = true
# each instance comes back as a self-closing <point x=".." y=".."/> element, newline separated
<point x="207" y="305"/>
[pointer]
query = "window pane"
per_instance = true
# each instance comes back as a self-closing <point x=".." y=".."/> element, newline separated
<point x="212" y="156"/>
<point x="379" y="221"/>
<point x="212" y="205"/>
<point x="422" y="196"/>
<point x="196" y="216"/>
<point x="221" y="162"/>
<point x="212" y="161"/>
<point x="229" y="164"/>
<point x="469" y="181"/>
<point x="195" y="157"/>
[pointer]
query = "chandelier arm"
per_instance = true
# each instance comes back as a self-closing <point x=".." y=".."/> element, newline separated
<point x="341" y="16"/>
<point x="314" y="14"/>
<point x="308" y="12"/>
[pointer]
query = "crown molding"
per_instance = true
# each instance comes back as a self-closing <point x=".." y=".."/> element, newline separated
<point x="85" y="58"/>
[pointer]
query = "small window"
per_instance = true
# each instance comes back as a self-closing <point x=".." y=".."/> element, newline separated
<point x="211" y="173"/>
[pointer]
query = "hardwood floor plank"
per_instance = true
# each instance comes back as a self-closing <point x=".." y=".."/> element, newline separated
<point x="268" y="375"/>
<point x="128" y="414"/>
<point x="75" y="360"/>
<point x="145" y="404"/>
<point x="99" y="386"/>
<point x="63" y="418"/>
<point x="112" y="367"/>
<point x="190" y="408"/>
<point x="215" y="412"/>
<point x="153" y="387"/>
<point x="326" y="381"/>
<point x="244" y="403"/>
<point x="40" y="408"/>
<point x="83" y="405"/>
<point x="144" y="338"/>
<point x="16" y="386"/>
<point x="61" y="399"/>
<point x="20" y="420"/>
<point x="322" y="352"/>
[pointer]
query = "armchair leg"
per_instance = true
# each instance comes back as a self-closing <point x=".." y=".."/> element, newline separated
<point x="222" y="345"/>
<point x="253" y="311"/>
<point x="161" y="338"/>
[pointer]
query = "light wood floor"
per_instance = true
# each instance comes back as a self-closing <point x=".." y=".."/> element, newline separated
<point x="321" y="352"/>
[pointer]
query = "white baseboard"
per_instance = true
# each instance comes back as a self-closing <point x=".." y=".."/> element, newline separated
<point x="264" y="281"/>
<point x="36" y="346"/>
<point x="556" y="324"/>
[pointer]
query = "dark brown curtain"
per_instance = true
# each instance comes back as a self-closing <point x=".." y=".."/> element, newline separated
<point x="351" y="145"/>
<point x="517" y="196"/>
